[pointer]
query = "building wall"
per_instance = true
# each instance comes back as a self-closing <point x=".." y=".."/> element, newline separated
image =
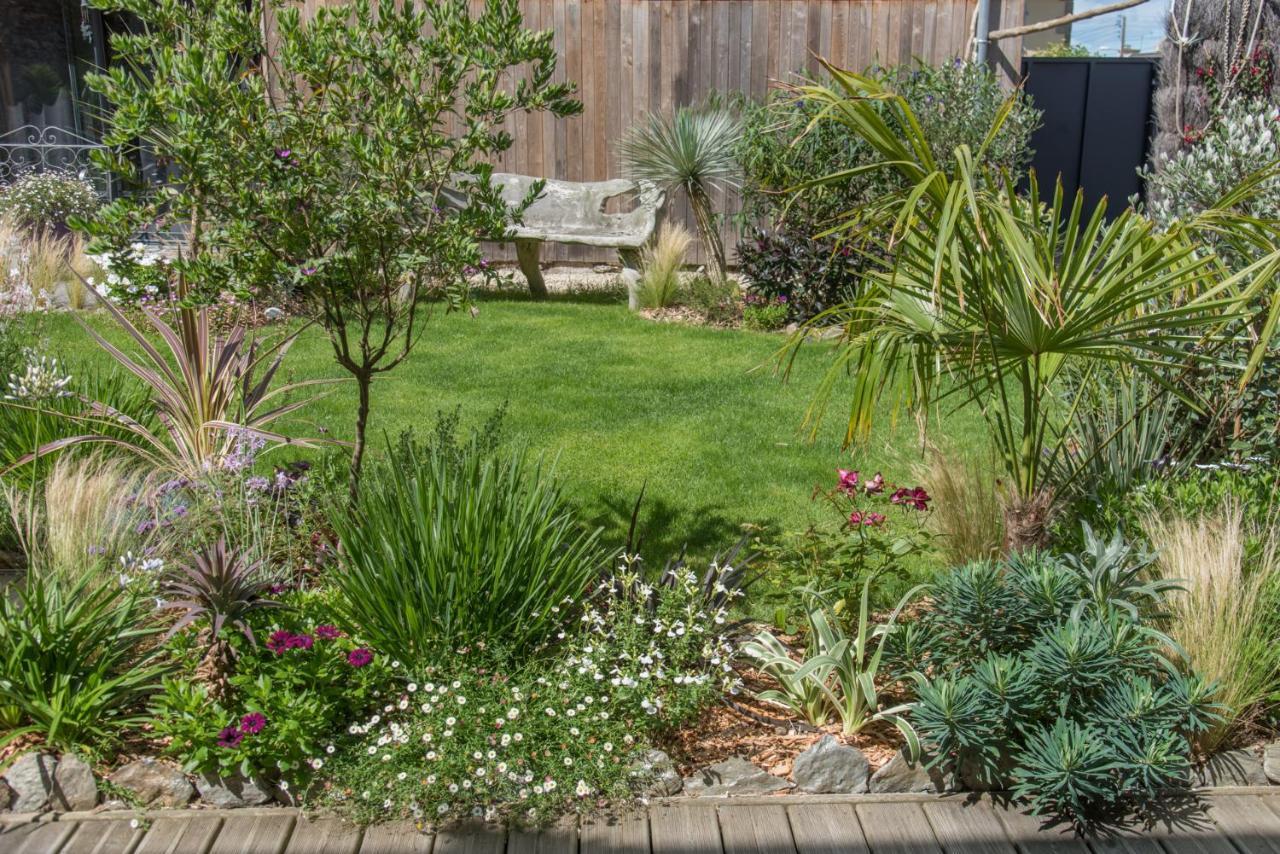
<point x="1045" y="10"/>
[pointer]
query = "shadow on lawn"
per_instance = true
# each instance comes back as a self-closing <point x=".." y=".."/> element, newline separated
<point x="664" y="529"/>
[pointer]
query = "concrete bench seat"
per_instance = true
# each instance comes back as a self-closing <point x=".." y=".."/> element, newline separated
<point x="574" y="212"/>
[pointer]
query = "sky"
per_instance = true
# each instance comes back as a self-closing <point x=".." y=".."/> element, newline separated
<point x="1143" y="30"/>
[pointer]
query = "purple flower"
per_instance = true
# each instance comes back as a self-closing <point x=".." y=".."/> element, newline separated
<point x="848" y="481"/>
<point x="257" y="483"/>
<point x="299" y="642"/>
<point x="252" y="723"/>
<point x="145" y="526"/>
<point x="230" y="737"/>
<point x="874" y="486"/>
<point x="328" y="632"/>
<point x="283" y="153"/>
<point x="308" y="271"/>
<point x="359" y="657"/>
<point x="279" y="641"/>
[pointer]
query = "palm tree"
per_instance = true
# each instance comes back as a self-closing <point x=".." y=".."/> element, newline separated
<point x="692" y="150"/>
<point x="1008" y="301"/>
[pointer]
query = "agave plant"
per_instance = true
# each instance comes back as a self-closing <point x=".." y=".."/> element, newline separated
<point x="838" y="676"/>
<point x="691" y="150"/>
<point x="220" y="588"/>
<point x="1004" y="299"/>
<point x="206" y="390"/>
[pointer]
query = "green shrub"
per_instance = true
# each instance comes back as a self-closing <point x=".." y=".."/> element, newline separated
<point x="290" y="696"/>
<point x="715" y="299"/>
<point x="781" y="148"/>
<point x="452" y="548"/>
<point x="763" y="314"/>
<point x="42" y="200"/>
<point x="74" y="669"/>
<point x="472" y="733"/>
<point x="1051" y="677"/>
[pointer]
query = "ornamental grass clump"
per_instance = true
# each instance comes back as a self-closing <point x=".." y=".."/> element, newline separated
<point x="1054" y="679"/>
<point x="454" y="546"/>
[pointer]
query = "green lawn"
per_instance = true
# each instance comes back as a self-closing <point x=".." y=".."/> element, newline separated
<point x="695" y="415"/>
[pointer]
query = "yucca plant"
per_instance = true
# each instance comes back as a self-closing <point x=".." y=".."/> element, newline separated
<point x="1003" y="299"/>
<point x="75" y="668"/>
<point x="838" y="675"/>
<point x="220" y="588"/>
<point x="206" y="390"/>
<point x="692" y="150"/>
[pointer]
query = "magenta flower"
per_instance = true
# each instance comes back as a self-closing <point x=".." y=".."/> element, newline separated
<point x="848" y="481"/>
<point x="359" y="657"/>
<point x="252" y="723"/>
<point x="328" y="632"/>
<point x="278" y="642"/>
<point x="873" y="520"/>
<point x="299" y="642"/>
<point x="283" y="153"/>
<point x="915" y="498"/>
<point x="230" y="737"/>
<point x="874" y="486"/>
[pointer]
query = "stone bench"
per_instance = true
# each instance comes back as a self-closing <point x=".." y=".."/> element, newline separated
<point x="573" y="212"/>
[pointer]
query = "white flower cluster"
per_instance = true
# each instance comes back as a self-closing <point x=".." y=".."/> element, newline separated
<point x="48" y="198"/>
<point x="1245" y="139"/>
<point x="42" y="381"/>
<point x="139" y="570"/>
<point x="561" y="729"/>
<point x="121" y="282"/>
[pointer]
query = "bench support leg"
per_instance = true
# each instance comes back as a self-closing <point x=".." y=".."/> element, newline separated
<point x="630" y="259"/>
<point x="527" y="252"/>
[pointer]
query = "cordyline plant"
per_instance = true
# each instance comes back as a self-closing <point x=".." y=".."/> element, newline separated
<point x="206" y="390"/>
<point x="221" y="588"/>
<point x="1008" y="300"/>
<point x="316" y="153"/>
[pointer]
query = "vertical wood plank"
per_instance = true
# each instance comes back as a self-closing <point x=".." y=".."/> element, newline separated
<point x="259" y="834"/>
<point x="324" y="836"/>
<point x="104" y="837"/>
<point x="826" y="829"/>
<point x="684" y="829"/>
<point x="964" y="827"/>
<point x="899" y="828"/>
<point x="397" y="838"/>
<point x="180" y="836"/>
<point x="615" y="835"/>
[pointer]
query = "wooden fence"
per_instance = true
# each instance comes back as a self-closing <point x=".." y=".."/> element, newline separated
<point x="631" y="57"/>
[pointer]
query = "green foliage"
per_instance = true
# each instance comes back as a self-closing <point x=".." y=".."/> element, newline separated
<point x="838" y="673"/>
<point x="764" y="315"/>
<point x="972" y="267"/>
<point x="455" y="547"/>
<point x="691" y="150"/>
<point x="301" y="678"/>
<point x="715" y="299"/>
<point x="870" y="530"/>
<point x="220" y="590"/>
<point x="784" y="146"/>
<point x="74" y="667"/>
<point x="1051" y="677"/>
<point x="478" y="732"/>
<point x="41" y="200"/>
<point x="331" y="165"/>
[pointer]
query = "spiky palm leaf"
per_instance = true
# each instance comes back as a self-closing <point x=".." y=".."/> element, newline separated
<point x="1009" y="298"/>
<point x="691" y="150"/>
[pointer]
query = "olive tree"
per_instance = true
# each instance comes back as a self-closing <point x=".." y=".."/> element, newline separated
<point x="340" y="158"/>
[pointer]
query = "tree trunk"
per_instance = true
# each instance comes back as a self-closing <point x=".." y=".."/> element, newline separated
<point x="1026" y="522"/>
<point x="705" y="217"/>
<point x="363" y="381"/>
<point x="215" y="669"/>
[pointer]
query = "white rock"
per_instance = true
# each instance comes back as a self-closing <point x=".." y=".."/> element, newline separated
<point x="829" y="767"/>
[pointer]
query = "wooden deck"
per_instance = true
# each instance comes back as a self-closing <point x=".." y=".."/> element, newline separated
<point x="1240" y="821"/>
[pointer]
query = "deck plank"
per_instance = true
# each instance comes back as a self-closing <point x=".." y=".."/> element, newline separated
<point x="180" y="836"/>
<point x="1033" y="835"/>
<point x="44" y="837"/>
<point x="620" y="835"/>
<point x="896" y="828"/>
<point x="104" y="837"/>
<point x="472" y="837"/>
<point x="684" y="829"/>
<point x="558" y="839"/>
<point x="1248" y="822"/>
<point x="324" y="836"/>
<point x="756" y="829"/>
<point x="826" y="829"/>
<point x="398" y="838"/>
<point x="968" y="827"/>
<point x="258" y="834"/>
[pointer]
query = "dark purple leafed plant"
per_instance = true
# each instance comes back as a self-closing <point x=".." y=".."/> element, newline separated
<point x="220" y="588"/>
